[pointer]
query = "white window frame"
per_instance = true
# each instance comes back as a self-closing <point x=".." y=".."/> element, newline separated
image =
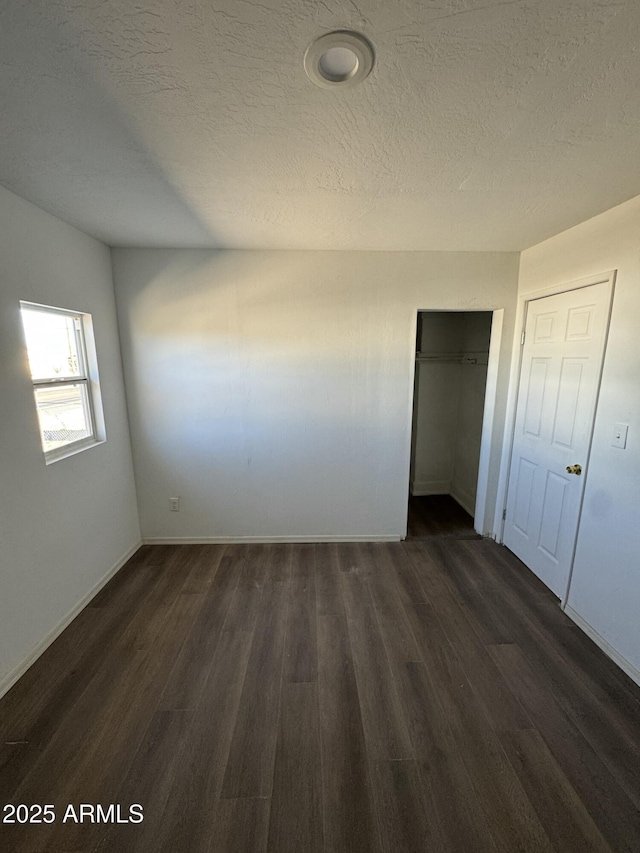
<point x="87" y="376"/>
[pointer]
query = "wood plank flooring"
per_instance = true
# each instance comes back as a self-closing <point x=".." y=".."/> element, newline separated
<point x="438" y="515"/>
<point x="419" y="696"/>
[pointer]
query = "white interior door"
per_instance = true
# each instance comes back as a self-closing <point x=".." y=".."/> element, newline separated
<point x="562" y="359"/>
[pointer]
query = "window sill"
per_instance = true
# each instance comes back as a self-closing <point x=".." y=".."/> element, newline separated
<point x="71" y="450"/>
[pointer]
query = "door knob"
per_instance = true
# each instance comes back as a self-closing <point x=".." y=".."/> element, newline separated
<point x="574" y="469"/>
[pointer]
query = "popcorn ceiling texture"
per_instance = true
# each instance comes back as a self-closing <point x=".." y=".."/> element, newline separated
<point x="483" y="126"/>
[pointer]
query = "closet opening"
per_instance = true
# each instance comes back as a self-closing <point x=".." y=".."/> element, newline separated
<point x="450" y="387"/>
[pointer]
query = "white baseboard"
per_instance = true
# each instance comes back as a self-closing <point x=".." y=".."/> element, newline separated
<point x="419" y="488"/>
<point x="616" y="657"/>
<point x="10" y="679"/>
<point x="267" y="540"/>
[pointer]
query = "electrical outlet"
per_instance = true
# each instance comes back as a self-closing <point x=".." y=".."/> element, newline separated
<point x="620" y="435"/>
<point x="174" y="504"/>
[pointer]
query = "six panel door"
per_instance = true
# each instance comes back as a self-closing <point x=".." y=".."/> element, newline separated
<point x="562" y="358"/>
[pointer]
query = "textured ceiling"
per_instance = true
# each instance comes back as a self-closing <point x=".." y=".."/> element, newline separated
<point x="483" y="126"/>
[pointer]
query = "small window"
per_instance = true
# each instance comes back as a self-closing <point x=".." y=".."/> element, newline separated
<point x="62" y="382"/>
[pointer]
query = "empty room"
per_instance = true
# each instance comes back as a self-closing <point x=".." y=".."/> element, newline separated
<point x="320" y="421"/>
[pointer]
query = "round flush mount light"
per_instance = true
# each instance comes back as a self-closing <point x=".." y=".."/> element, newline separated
<point x="338" y="59"/>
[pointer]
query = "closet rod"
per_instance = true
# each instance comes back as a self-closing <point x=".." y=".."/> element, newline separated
<point x="452" y="359"/>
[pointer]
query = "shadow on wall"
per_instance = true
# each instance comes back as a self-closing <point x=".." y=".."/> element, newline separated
<point x="75" y="105"/>
<point x="273" y="394"/>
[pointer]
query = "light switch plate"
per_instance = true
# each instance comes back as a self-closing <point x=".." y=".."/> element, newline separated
<point x="620" y="435"/>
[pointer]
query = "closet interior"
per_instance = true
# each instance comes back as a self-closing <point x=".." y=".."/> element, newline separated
<point x="452" y="350"/>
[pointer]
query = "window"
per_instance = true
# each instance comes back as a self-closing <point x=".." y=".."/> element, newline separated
<point x="63" y="386"/>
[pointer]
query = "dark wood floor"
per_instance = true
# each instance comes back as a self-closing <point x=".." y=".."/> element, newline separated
<point x="438" y="515"/>
<point x="424" y="696"/>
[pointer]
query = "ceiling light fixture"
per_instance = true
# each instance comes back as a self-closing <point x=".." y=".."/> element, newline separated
<point x="338" y="59"/>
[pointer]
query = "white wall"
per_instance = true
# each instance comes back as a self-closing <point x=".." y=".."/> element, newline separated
<point x="63" y="526"/>
<point x="435" y="408"/>
<point x="272" y="391"/>
<point x="476" y="334"/>
<point x="434" y="431"/>
<point x="605" y="589"/>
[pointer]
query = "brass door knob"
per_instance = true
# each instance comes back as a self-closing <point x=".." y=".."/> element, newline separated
<point x="574" y="469"/>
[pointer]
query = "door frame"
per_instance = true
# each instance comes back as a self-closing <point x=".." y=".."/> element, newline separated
<point x="607" y="277"/>
<point x="481" y="524"/>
